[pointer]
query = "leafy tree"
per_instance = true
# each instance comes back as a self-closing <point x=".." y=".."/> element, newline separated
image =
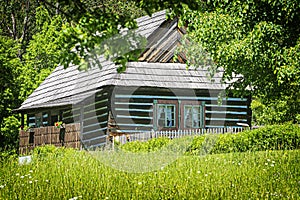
<point x="42" y="52"/>
<point x="10" y="68"/>
<point x="20" y="77"/>
<point x="256" y="39"/>
<point x="17" y="21"/>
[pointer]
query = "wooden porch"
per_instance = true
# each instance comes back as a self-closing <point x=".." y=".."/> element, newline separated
<point x="69" y="136"/>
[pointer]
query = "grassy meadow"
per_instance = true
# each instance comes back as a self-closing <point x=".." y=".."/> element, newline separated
<point x="70" y="174"/>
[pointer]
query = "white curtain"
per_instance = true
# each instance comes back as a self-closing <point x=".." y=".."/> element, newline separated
<point x="169" y="115"/>
<point x="196" y="117"/>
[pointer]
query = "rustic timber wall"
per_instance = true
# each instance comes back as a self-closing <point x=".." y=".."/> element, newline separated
<point x="50" y="135"/>
<point x="133" y="109"/>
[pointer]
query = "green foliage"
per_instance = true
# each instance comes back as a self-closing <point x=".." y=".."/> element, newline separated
<point x="255" y="42"/>
<point x="10" y="69"/>
<point x="149" y="146"/>
<point x="10" y="133"/>
<point x="20" y="78"/>
<point x="50" y="151"/>
<point x="275" y="137"/>
<point x="18" y="21"/>
<point x="272" y="137"/>
<point x="42" y="52"/>
<point x="77" y="175"/>
<point x="276" y="112"/>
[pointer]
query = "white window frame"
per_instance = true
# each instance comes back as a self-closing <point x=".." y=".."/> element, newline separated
<point x="173" y="115"/>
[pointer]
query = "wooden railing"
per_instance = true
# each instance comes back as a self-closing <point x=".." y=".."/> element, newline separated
<point x="144" y="136"/>
<point x="69" y="136"/>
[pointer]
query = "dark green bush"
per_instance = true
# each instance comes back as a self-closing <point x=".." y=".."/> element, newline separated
<point x="273" y="137"/>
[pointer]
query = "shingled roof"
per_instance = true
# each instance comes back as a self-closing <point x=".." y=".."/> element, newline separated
<point x="69" y="86"/>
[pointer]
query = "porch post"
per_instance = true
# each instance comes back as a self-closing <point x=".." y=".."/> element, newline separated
<point x="179" y="114"/>
<point x="22" y="121"/>
<point x="154" y="114"/>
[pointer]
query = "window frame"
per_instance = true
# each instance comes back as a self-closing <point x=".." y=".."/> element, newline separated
<point x="201" y="104"/>
<point x="176" y="114"/>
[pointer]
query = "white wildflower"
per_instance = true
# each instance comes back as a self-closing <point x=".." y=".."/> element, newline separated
<point x="198" y="172"/>
<point x="206" y="175"/>
<point x="30" y="171"/>
<point x="272" y="165"/>
<point x="47" y="181"/>
<point x="30" y="182"/>
<point x="35" y="180"/>
<point x="268" y="160"/>
<point x="140" y="183"/>
<point x="2" y="186"/>
<point x="266" y="163"/>
<point x="21" y="176"/>
<point x="17" y="174"/>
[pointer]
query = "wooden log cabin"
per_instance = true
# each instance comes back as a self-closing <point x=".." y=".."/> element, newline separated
<point x="155" y="93"/>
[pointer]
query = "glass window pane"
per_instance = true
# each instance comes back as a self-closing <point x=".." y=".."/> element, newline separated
<point x="166" y="115"/>
<point x="160" y="116"/>
<point x="192" y="116"/>
<point x="187" y="117"/>
<point x="195" y="117"/>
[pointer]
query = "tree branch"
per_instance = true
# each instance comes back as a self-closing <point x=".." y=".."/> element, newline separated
<point x="14" y="34"/>
<point x="56" y="8"/>
<point x="25" y="23"/>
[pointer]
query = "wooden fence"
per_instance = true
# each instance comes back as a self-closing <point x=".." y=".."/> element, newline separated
<point x="144" y="136"/>
<point x="68" y="137"/>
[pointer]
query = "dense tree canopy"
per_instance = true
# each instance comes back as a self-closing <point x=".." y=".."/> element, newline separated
<point x="259" y="40"/>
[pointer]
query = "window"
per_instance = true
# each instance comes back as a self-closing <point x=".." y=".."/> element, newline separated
<point x="38" y="121"/>
<point x="166" y="116"/>
<point x="45" y="119"/>
<point x="174" y="115"/>
<point x="192" y="116"/>
<point x="31" y="120"/>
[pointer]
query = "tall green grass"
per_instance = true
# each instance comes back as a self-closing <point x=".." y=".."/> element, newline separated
<point x="69" y="174"/>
